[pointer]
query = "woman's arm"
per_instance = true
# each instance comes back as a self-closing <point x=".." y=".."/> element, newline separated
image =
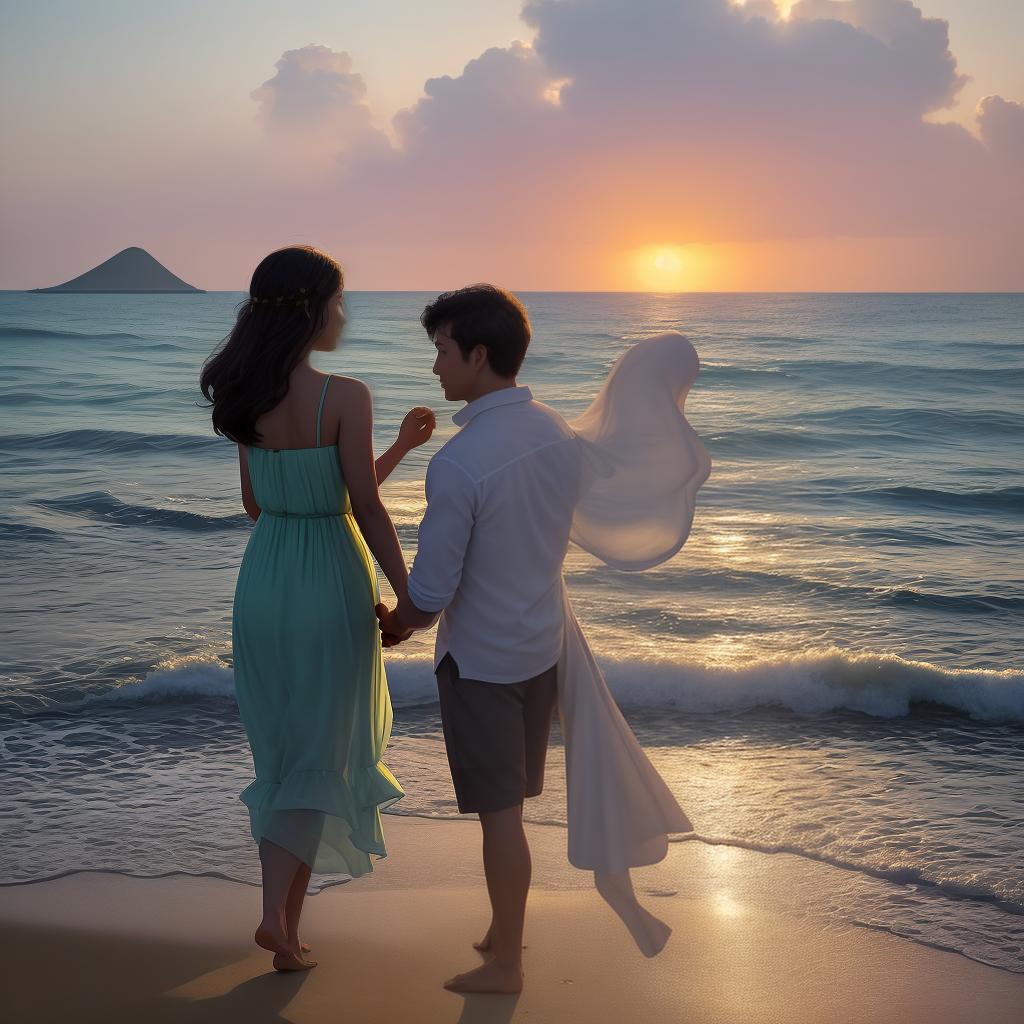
<point x="248" y="501"/>
<point x="416" y="428"/>
<point x="355" y="450"/>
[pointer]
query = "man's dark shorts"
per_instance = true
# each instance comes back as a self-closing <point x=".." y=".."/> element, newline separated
<point x="496" y="735"/>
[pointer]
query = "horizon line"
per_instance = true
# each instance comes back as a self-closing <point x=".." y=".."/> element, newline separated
<point x="547" y="291"/>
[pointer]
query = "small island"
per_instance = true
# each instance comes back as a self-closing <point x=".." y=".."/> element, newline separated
<point x="132" y="270"/>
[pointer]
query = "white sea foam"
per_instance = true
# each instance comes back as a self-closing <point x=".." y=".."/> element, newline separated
<point x="883" y="686"/>
<point x="183" y="679"/>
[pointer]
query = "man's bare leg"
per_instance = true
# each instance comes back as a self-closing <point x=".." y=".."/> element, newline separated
<point x="484" y="945"/>
<point x="507" y="868"/>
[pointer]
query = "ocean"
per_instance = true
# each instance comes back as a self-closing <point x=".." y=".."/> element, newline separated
<point x="830" y="670"/>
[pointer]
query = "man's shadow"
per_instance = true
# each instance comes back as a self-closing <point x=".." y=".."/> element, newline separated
<point x="479" y="1009"/>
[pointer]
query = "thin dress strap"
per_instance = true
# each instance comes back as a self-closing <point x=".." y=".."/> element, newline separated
<point x="320" y="409"/>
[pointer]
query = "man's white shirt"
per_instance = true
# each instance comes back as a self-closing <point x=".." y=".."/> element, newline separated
<point x="500" y="499"/>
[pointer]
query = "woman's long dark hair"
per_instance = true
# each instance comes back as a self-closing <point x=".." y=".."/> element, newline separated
<point x="249" y="372"/>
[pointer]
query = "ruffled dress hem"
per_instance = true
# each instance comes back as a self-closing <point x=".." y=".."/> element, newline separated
<point x="326" y="820"/>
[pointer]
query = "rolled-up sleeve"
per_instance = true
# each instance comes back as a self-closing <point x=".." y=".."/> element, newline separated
<point x="443" y="536"/>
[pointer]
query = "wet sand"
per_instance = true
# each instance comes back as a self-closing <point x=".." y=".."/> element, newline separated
<point x="99" y="947"/>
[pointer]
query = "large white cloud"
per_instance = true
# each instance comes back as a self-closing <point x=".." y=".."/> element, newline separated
<point x="315" y="96"/>
<point x="698" y="121"/>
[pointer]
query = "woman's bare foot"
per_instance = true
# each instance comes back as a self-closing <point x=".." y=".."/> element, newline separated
<point x="272" y="934"/>
<point x="304" y="947"/>
<point x="484" y="944"/>
<point x="290" y="962"/>
<point x="489" y="977"/>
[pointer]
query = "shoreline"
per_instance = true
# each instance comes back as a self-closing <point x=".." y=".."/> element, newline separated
<point x="103" y="946"/>
<point x="780" y="868"/>
<point x="561" y="875"/>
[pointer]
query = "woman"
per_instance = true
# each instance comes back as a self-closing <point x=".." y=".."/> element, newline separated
<point x="308" y="669"/>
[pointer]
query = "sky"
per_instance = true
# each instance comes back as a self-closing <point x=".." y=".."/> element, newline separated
<point x="662" y="145"/>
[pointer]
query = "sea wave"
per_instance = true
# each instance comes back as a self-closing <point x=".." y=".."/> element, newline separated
<point x="754" y="443"/>
<point x="29" y="333"/>
<point x="999" y="499"/>
<point x="925" y="423"/>
<point x="906" y="537"/>
<point x="900" y="871"/>
<point x="109" y="442"/>
<point x="102" y="506"/>
<point x="783" y="340"/>
<point x="106" y="395"/>
<point x="184" y="680"/>
<point x="878" y="685"/>
<point x="899" y="375"/>
<point x="732" y="373"/>
<point x="962" y="344"/>
<point x="752" y="581"/>
<point x="843" y="489"/>
<point x="14" y="531"/>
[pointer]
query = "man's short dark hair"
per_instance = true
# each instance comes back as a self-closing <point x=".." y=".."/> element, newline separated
<point x="482" y="314"/>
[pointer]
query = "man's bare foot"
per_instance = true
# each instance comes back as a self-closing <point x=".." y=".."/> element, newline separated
<point x="484" y="944"/>
<point x="273" y="935"/>
<point x="489" y="977"/>
<point x="285" y="962"/>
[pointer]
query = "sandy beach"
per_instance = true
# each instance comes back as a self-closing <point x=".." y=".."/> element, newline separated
<point x="101" y="947"/>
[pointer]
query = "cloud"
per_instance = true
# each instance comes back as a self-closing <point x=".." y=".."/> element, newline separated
<point x="1002" y="127"/>
<point x="697" y="122"/>
<point x="315" y="95"/>
<point x="804" y="151"/>
<point x="916" y="64"/>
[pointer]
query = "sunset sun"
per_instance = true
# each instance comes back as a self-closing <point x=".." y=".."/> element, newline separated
<point x="663" y="268"/>
<point x="667" y="261"/>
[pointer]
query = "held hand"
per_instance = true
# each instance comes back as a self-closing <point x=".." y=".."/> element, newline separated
<point x="391" y="632"/>
<point x="416" y="428"/>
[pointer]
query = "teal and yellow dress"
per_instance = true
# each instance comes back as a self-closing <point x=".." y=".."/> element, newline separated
<point x="309" y="674"/>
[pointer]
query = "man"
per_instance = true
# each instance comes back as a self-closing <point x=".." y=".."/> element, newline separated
<point x="500" y="498"/>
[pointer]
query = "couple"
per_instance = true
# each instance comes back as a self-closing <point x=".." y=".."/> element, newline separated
<point x="504" y="497"/>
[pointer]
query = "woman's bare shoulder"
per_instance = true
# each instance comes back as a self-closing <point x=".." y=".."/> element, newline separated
<point x="349" y="396"/>
<point x="348" y="386"/>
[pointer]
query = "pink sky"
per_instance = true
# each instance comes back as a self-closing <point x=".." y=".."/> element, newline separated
<point x="647" y="144"/>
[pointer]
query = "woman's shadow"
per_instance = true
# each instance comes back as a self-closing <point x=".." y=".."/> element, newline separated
<point x="263" y="999"/>
<point x="259" y="1000"/>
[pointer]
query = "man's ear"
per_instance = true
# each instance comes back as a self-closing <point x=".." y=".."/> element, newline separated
<point x="478" y="357"/>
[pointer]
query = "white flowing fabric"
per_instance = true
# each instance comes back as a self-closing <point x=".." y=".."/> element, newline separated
<point x="645" y="464"/>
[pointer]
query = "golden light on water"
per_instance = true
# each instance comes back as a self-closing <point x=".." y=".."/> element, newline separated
<point x="735" y="545"/>
<point x="726" y="905"/>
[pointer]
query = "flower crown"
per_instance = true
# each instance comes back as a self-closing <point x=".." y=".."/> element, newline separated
<point x="299" y="299"/>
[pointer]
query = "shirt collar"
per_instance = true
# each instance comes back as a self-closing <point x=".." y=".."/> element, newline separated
<point x="503" y="396"/>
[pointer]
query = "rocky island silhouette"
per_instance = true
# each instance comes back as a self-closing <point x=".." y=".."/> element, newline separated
<point x="130" y="270"/>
